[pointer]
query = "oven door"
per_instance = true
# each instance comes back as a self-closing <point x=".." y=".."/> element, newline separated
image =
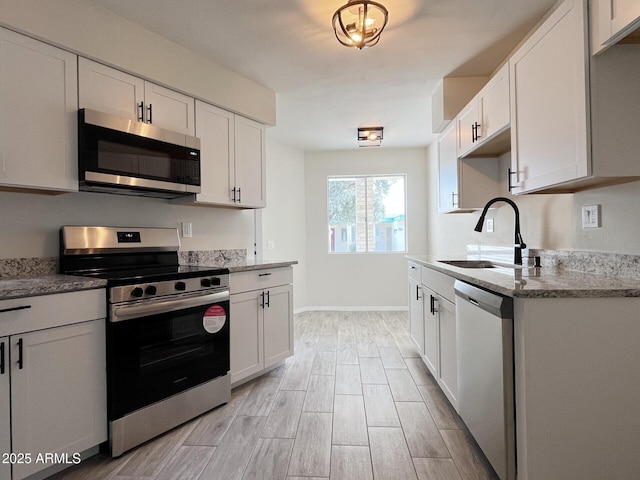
<point x="156" y="349"/>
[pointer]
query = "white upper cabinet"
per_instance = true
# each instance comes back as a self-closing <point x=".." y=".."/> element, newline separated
<point x="614" y="21"/>
<point x="38" y="115"/>
<point x="494" y="106"/>
<point x="250" y="163"/>
<point x="232" y="159"/>
<point x="169" y="109"/>
<point x="468" y="122"/>
<point x="483" y="121"/>
<point x="448" y="169"/>
<point x="573" y="119"/>
<point x="215" y="128"/>
<point x="109" y="90"/>
<point x="464" y="184"/>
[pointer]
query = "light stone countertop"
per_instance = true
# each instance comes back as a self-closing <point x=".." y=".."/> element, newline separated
<point x="248" y="265"/>
<point x="19" y="287"/>
<point x="531" y="282"/>
<point x="30" y="286"/>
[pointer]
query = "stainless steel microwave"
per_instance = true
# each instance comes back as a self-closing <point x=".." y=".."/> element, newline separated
<point x="121" y="155"/>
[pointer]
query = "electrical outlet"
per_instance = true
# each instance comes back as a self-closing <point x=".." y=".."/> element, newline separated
<point x="186" y="229"/>
<point x="271" y="245"/>
<point x="591" y="216"/>
<point x="490" y="225"/>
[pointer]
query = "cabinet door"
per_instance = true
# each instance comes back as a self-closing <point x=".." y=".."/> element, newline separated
<point x="448" y="378"/>
<point x="169" y="109"/>
<point x="108" y="90"/>
<point x="246" y="334"/>
<point x="58" y="395"/>
<point x="215" y="128"/>
<point x="250" y="162"/>
<point x="494" y="105"/>
<point x="548" y="76"/>
<point x="5" y="410"/>
<point x="467" y="120"/>
<point x="38" y="115"/>
<point x="416" y="327"/>
<point x="431" y="340"/>
<point x="624" y="13"/>
<point x="278" y="324"/>
<point x="448" y="169"/>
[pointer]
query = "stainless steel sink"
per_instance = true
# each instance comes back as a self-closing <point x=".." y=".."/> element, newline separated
<point x="469" y="263"/>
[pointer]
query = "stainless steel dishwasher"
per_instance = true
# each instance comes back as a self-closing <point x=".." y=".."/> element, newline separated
<point x="485" y="373"/>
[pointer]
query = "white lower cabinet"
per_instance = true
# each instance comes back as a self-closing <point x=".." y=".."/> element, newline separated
<point x="416" y="323"/>
<point x="5" y="408"/>
<point x="261" y="320"/>
<point x="437" y="314"/>
<point x="448" y="352"/>
<point x="53" y="384"/>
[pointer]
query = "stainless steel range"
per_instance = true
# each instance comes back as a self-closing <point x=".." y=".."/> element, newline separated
<point x="167" y="329"/>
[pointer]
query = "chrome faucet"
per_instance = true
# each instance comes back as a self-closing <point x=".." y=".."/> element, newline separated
<point x="519" y="244"/>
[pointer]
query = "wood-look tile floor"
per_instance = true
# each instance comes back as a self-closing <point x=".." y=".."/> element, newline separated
<point x="354" y="402"/>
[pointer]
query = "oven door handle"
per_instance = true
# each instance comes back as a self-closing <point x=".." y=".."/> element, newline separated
<point x="120" y="313"/>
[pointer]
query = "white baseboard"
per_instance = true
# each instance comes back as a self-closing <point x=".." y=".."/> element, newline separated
<point x="377" y="308"/>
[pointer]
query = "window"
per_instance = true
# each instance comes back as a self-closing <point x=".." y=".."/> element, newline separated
<point x="366" y="213"/>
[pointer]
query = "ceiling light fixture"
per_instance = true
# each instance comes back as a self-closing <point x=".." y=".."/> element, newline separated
<point x="370" y="136"/>
<point x="359" y="23"/>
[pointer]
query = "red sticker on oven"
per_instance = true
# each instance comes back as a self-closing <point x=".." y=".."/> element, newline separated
<point x="214" y="319"/>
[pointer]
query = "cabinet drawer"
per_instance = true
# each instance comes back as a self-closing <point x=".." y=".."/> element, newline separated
<point x="415" y="272"/>
<point x="20" y="315"/>
<point x="439" y="282"/>
<point x="260" y="279"/>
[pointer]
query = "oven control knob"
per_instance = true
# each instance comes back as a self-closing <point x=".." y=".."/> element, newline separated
<point x="137" y="292"/>
<point x="150" y="290"/>
<point x="215" y="281"/>
<point x="180" y="286"/>
<point x="205" y="282"/>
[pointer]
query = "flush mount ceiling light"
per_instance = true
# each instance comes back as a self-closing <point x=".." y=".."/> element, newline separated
<point x="359" y="23"/>
<point x="370" y="136"/>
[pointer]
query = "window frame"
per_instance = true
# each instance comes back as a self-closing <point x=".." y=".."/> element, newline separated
<point x="367" y="252"/>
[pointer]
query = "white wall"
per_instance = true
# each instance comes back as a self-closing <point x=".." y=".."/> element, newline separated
<point x="283" y="221"/>
<point x="355" y="280"/>
<point x="551" y="222"/>
<point x="30" y="223"/>
<point x="84" y="28"/>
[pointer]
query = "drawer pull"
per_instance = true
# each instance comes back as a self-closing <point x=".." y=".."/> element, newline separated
<point x="14" y="309"/>
<point x="264" y="274"/>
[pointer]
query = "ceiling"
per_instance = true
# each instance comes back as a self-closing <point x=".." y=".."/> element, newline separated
<point x="325" y="91"/>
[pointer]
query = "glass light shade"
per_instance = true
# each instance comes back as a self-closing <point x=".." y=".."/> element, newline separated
<point x="359" y="23"/>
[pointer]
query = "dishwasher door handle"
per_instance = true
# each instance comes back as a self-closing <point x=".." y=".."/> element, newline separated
<point x="494" y="303"/>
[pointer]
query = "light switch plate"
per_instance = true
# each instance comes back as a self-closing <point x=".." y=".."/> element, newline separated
<point x="591" y="216"/>
<point x="490" y="227"/>
<point x="186" y="230"/>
